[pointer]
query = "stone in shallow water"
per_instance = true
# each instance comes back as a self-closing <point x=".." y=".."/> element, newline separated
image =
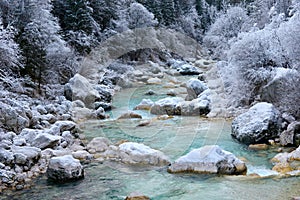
<point x="135" y="153"/>
<point x="64" y="168"/>
<point x="259" y="124"/>
<point x="137" y="196"/>
<point x="209" y="159"/>
<point x="130" y="115"/>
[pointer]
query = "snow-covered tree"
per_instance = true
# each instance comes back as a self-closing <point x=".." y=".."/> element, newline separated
<point x="140" y="17"/>
<point x="225" y="28"/>
<point x="10" y="56"/>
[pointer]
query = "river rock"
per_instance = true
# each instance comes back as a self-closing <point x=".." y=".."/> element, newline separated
<point x="6" y="157"/>
<point x="195" y="107"/>
<point x="64" y="168"/>
<point x="79" y="88"/>
<point x="13" y="118"/>
<point x="98" y="144"/>
<point x="26" y="155"/>
<point x="82" y="155"/>
<point x="288" y="136"/>
<point x="136" y="153"/>
<point x="154" y="81"/>
<point x="194" y="88"/>
<point x="45" y="140"/>
<point x="167" y="106"/>
<point x="209" y="159"/>
<point x="130" y="115"/>
<point x="259" y="124"/>
<point x="144" y="105"/>
<point x="188" y="69"/>
<point x="137" y="196"/>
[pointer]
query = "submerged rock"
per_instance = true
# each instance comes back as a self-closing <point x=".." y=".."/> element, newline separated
<point x="137" y="196"/>
<point x="259" y="124"/>
<point x="209" y="159"/>
<point x="64" y="168"/>
<point x="130" y="115"/>
<point x="136" y="153"/>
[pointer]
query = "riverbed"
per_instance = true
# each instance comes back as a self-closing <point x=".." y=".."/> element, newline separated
<point x="174" y="137"/>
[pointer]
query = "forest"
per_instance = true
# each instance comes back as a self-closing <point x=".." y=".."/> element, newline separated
<point x="44" y="41"/>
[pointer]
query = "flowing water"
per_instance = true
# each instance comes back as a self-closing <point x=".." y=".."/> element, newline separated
<point x="175" y="137"/>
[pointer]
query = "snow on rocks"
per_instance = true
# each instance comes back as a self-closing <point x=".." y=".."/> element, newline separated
<point x="98" y="144"/>
<point x="136" y="153"/>
<point x="144" y="105"/>
<point x="209" y="159"/>
<point x="194" y="88"/>
<point x="64" y="168"/>
<point x="259" y="124"/>
<point x="79" y="88"/>
<point x="287" y="164"/>
<point x="167" y="106"/>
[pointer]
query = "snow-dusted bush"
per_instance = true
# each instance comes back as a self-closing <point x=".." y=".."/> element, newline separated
<point x="225" y="28"/>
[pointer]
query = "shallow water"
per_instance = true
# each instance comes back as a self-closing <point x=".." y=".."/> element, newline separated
<point x="175" y="137"/>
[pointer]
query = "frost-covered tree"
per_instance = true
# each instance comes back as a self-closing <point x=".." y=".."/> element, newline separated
<point x="78" y="26"/>
<point x="140" y="17"/>
<point x="225" y="28"/>
<point x="10" y="55"/>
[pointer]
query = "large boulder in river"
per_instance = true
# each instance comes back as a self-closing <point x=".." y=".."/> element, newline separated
<point x="167" y="106"/>
<point x="209" y="159"/>
<point x="259" y="124"/>
<point x="194" y="88"/>
<point x="136" y="153"/>
<point x="79" y="88"/>
<point x="195" y="107"/>
<point x="64" y="168"/>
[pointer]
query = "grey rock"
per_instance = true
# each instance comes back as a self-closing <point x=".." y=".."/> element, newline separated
<point x="194" y="88"/>
<point x="259" y="124"/>
<point x="100" y="113"/>
<point x="6" y="157"/>
<point x="79" y="88"/>
<point x="30" y="154"/>
<point x="45" y="140"/>
<point x="209" y="159"/>
<point x="195" y="107"/>
<point x="41" y="109"/>
<point x="130" y="115"/>
<point x="288" y="136"/>
<point x="64" y="168"/>
<point x="98" y="144"/>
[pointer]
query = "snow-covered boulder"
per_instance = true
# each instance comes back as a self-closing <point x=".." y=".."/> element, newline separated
<point x="45" y="140"/>
<point x="144" y="105"/>
<point x="259" y="124"/>
<point x="209" y="159"/>
<point x="79" y="88"/>
<point x="64" y="168"/>
<point x="167" y="106"/>
<point x="13" y="118"/>
<point x="188" y="69"/>
<point x="136" y="153"/>
<point x="98" y="144"/>
<point x="6" y="157"/>
<point x="26" y="155"/>
<point x="195" y="107"/>
<point x="194" y="88"/>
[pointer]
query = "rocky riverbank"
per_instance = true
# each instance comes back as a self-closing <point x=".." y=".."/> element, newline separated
<point x="40" y="134"/>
